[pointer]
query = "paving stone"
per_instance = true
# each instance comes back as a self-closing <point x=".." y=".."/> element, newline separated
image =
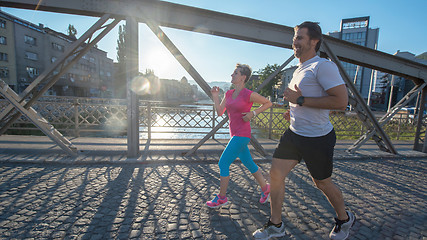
<point x="167" y="201"/>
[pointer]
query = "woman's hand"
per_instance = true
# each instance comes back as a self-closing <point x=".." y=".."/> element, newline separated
<point x="247" y="116"/>
<point x="215" y="91"/>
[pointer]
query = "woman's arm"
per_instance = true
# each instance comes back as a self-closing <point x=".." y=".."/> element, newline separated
<point x="256" y="98"/>
<point x="219" y="107"/>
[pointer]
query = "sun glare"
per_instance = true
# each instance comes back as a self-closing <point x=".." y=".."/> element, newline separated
<point x="140" y="85"/>
<point x="159" y="60"/>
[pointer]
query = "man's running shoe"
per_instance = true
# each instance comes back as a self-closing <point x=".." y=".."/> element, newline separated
<point x="341" y="229"/>
<point x="269" y="230"/>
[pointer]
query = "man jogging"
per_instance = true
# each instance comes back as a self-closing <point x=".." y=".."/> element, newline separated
<point x="315" y="88"/>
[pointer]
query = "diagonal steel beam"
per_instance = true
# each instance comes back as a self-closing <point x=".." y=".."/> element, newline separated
<point x="38" y="120"/>
<point x="48" y="79"/>
<point x="48" y="72"/>
<point x="253" y="140"/>
<point x="420" y="143"/>
<point x="179" y="56"/>
<point x="361" y="103"/>
<point x="384" y="119"/>
<point x="76" y="51"/>
<point x="197" y="77"/>
<point x="269" y="78"/>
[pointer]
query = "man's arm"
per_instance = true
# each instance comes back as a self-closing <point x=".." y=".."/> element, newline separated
<point x="337" y="98"/>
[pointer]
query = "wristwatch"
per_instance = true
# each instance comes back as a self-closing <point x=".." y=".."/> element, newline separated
<point x="300" y="100"/>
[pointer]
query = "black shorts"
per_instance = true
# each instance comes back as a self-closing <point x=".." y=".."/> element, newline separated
<point x="317" y="152"/>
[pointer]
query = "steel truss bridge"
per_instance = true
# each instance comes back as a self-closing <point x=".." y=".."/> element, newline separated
<point x="156" y="14"/>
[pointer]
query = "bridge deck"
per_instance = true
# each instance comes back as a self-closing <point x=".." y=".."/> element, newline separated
<point x="101" y="194"/>
<point x="113" y="150"/>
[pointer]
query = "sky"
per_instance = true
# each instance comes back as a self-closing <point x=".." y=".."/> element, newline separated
<point x="402" y="26"/>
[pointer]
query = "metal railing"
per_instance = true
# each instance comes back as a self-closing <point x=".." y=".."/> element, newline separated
<point x="107" y="118"/>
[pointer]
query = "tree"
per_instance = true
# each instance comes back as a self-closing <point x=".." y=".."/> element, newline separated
<point x="71" y="31"/>
<point x="263" y="75"/>
<point x="120" y="73"/>
<point x="121" y="45"/>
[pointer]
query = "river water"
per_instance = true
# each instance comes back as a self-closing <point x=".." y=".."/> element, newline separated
<point x="165" y="132"/>
<point x="162" y="131"/>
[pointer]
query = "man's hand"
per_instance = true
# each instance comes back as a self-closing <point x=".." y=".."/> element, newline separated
<point x="291" y="95"/>
<point x="287" y="115"/>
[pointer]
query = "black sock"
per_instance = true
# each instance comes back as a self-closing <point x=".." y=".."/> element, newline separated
<point x="348" y="218"/>
<point x="276" y="225"/>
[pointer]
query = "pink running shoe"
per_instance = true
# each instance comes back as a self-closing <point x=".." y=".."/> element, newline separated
<point x="217" y="202"/>
<point x="265" y="195"/>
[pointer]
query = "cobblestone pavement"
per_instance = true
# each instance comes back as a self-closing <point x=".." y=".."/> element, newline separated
<point x="167" y="201"/>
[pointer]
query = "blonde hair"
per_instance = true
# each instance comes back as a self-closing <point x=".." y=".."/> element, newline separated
<point x="245" y="70"/>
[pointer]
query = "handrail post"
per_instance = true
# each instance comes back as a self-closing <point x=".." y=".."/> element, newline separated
<point x="270" y="123"/>
<point x="149" y="119"/>
<point x="76" y="118"/>
<point x="213" y="120"/>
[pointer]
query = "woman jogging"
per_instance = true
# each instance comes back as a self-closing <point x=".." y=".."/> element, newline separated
<point x="238" y="103"/>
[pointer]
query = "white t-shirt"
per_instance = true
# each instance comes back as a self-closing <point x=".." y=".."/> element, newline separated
<point x="313" y="77"/>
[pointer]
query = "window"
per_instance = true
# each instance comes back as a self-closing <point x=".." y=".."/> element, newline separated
<point x="2" y="23"/>
<point x="58" y="47"/>
<point x="347" y="36"/>
<point x="30" y="40"/>
<point x="3" y="40"/>
<point x="32" y="72"/>
<point x="4" y="72"/>
<point x="31" y="56"/>
<point x="3" y="56"/>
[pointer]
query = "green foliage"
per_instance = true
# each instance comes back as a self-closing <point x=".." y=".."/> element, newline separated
<point x="121" y="45"/>
<point x="120" y="74"/>
<point x="263" y="75"/>
<point x="347" y="127"/>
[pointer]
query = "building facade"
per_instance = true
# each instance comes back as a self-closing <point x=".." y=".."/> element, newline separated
<point x="400" y="86"/>
<point x="7" y="52"/>
<point x="174" y="90"/>
<point x="27" y="50"/>
<point x="357" y="31"/>
<point x="279" y="88"/>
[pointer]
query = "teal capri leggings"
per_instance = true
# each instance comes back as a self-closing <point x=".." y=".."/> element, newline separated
<point x="236" y="147"/>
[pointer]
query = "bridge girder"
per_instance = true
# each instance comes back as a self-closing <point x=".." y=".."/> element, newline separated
<point x="241" y="28"/>
<point x="226" y="25"/>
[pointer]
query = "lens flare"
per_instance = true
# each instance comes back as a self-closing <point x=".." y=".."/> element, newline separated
<point x="140" y="85"/>
<point x="145" y="86"/>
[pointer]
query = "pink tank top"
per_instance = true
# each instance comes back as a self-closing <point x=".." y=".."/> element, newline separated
<point x="235" y="108"/>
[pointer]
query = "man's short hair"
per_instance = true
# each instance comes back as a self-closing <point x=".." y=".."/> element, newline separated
<point x="245" y="70"/>
<point x="314" y="31"/>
